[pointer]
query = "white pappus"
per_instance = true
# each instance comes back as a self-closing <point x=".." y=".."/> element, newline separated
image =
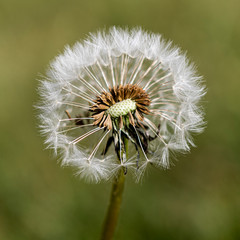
<point x="116" y="86"/>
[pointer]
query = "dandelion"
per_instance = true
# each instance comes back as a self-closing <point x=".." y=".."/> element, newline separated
<point x="118" y="102"/>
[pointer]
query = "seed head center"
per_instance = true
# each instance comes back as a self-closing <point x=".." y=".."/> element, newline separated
<point x="122" y="108"/>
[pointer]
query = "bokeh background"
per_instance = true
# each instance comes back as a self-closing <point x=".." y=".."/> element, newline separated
<point x="197" y="199"/>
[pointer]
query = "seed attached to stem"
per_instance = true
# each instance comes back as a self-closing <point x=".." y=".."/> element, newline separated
<point x="120" y="101"/>
<point x="118" y="85"/>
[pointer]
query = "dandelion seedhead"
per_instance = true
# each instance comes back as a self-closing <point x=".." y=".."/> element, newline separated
<point x="117" y="92"/>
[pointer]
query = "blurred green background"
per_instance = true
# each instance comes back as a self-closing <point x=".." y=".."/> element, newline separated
<point x="197" y="199"/>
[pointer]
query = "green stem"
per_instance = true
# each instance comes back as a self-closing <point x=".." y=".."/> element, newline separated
<point x="114" y="207"/>
<point x="111" y="219"/>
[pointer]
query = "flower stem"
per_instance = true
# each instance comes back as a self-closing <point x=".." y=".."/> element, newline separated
<point x="111" y="219"/>
<point x="114" y="207"/>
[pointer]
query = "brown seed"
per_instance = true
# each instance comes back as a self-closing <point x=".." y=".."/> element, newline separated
<point x="118" y="94"/>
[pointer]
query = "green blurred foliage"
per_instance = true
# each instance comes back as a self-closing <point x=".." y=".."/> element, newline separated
<point x="197" y="199"/>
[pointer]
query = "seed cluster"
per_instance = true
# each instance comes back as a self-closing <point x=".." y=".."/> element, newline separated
<point x="121" y="108"/>
<point x="129" y="100"/>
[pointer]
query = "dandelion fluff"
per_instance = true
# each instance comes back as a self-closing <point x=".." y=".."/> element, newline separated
<point x="116" y="85"/>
